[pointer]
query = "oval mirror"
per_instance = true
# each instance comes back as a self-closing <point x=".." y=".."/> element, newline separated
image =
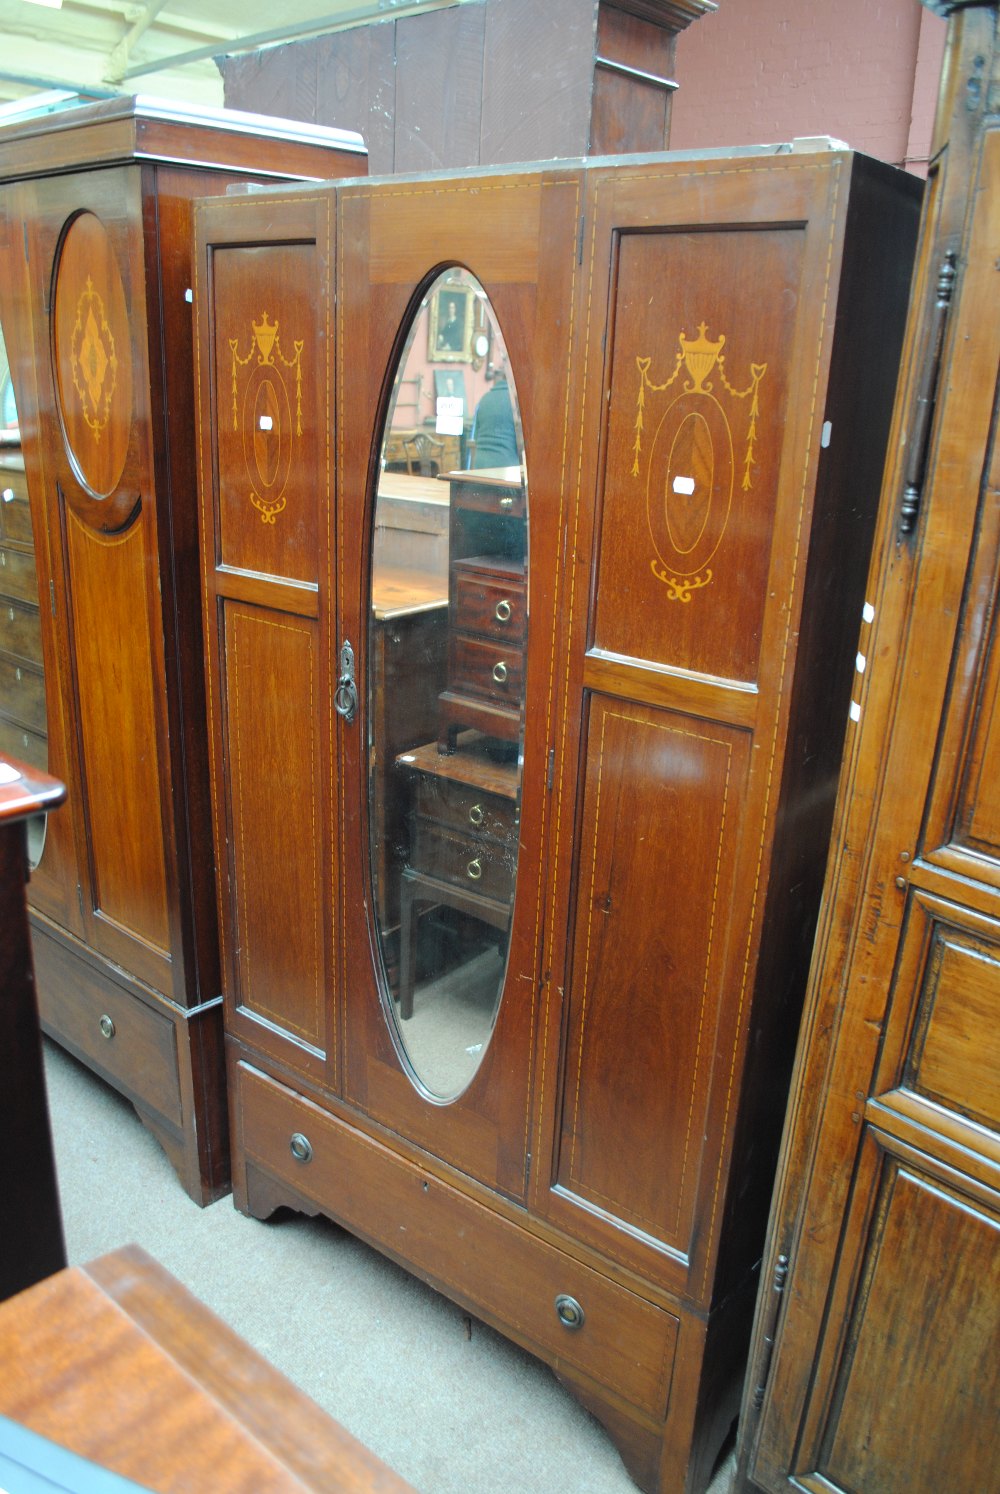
<point x="448" y="635"/>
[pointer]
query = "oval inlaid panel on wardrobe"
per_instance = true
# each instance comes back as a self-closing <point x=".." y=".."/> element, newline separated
<point x="92" y="355"/>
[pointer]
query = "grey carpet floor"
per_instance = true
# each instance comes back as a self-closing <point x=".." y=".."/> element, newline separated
<point x="449" y="1404"/>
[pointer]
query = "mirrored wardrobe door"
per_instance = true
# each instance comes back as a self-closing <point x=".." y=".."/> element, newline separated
<point x="451" y="487"/>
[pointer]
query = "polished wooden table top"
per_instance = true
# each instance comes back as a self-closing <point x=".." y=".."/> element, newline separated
<point x="117" y="1362"/>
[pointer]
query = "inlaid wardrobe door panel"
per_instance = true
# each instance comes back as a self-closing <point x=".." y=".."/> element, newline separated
<point x="704" y="342"/>
<point x="275" y="860"/>
<point x="268" y="342"/>
<point x="264" y="459"/>
<point x="659" y="826"/>
<point x="442" y="288"/>
<point x="110" y="609"/>
<point x="107" y="605"/>
<point x="696" y="412"/>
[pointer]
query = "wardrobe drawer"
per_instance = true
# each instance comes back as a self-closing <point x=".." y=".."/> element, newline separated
<point x="489" y="603"/>
<point x="20" y="631"/>
<point x="22" y="693"/>
<point x="114" y="1032"/>
<point x="30" y="746"/>
<point x="473" y="862"/>
<point x="486" y="669"/>
<point x="459" y="1244"/>
<point x="17" y="575"/>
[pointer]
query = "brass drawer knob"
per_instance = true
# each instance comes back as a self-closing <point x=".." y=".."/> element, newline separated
<point x="8" y="495"/>
<point x="107" y="1027"/>
<point x="475" y="869"/>
<point x="569" y="1312"/>
<point x="500" y="673"/>
<point x="502" y="611"/>
<point x="476" y="815"/>
<point x="300" y="1147"/>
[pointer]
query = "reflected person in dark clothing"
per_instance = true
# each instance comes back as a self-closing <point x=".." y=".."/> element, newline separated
<point x="493" y="430"/>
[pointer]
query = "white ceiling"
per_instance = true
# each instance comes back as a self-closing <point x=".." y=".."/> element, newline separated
<point x="161" y="47"/>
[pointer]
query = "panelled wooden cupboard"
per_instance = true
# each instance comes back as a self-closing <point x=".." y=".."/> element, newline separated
<point x="704" y="356"/>
<point x="875" y="1364"/>
<point x="95" y="224"/>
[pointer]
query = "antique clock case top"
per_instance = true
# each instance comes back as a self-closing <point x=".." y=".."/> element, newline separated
<point x="704" y="352"/>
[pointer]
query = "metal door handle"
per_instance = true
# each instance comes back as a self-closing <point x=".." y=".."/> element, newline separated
<point x="345" y="699"/>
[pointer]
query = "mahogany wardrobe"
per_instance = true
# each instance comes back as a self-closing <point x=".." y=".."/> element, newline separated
<point x="100" y="631"/>
<point x="535" y="512"/>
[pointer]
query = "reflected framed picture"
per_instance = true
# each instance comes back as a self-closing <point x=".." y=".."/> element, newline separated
<point x="449" y="383"/>
<point x="449" y="329"/>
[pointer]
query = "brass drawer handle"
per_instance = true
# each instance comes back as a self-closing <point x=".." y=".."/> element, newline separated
<point x="107" y="1027"/>
<point x="475" y="869"/>
<point x="569" y="1312"/>
<point x="300" y="1147"/>
<point x="476" y="815"/>
<point x="502" y="611"/>
<point x="500" y="673"/>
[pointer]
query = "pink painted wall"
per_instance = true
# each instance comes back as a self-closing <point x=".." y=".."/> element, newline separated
<point x="864" y="71"/>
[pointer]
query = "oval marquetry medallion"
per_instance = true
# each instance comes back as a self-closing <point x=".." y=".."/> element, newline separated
<point x="690" y="486"/>
<point x="267" y="438"/>
<point x="93" y="357"/>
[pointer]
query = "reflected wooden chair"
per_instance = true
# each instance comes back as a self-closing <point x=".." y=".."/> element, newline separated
<point x="424" y="454"/>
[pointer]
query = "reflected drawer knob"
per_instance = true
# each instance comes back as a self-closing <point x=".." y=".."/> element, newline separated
<point x="475" y="869"/>
<point x="300" y="1147"/>
<point x="569" y="1312"/>
<point x="8" y="495"/>
<point x="107" y="1027"/>
<point x="500" y="673"/>
<point x="507" y="502"/>
<point x="502" y="611"/>
<point x="476" y="815"/>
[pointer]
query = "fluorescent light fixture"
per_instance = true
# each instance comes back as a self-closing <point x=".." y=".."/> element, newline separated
<point x="49" y="4"/>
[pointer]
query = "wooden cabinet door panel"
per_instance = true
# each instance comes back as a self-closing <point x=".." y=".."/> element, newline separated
<point x="265" y="478"/>
<point x="914" y="1310"/>
<point x="697" y="402"/>
<point x="518" y="238"/>
<point x="275" y="849"/>
<point x="117" y="712"/>
<point x="660" y="823"/>
<point x="940" y="1061"/>
<point x="100" y="501"/>
<point x="706" y="342"/>
<point x="268" y="348"/>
